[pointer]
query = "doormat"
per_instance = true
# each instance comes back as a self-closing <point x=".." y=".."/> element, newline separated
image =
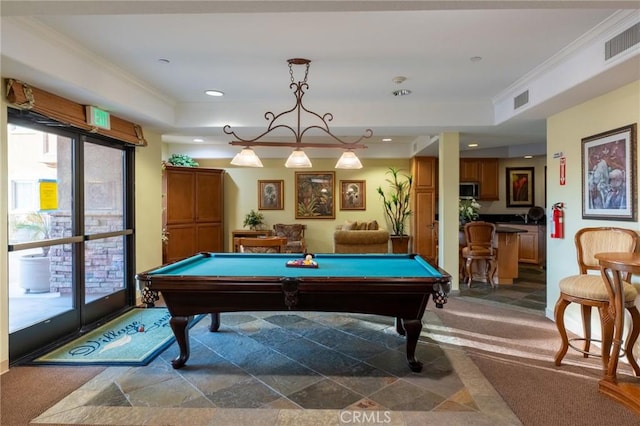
<point x="132" y="339"/>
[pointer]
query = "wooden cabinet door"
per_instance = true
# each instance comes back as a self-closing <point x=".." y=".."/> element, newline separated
<point x="424" y="218"/>
<point x="181" y="244"/>
<point x="488" y="178"/>
<point x="528" y="249"/>
<point x="179" y="195"/>
<point x="209" y="237"/>
<point x="469" y="170"/>
<point x="208" y="196"/>
<point x="425" y="172"/>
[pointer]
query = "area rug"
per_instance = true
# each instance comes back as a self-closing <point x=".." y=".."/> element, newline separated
<point x="133" y="339"/>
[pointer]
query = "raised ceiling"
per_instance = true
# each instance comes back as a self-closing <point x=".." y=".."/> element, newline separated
<point x="151" y="61"/>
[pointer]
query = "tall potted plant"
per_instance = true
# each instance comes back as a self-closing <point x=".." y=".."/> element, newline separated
<point x="397" y="208"/>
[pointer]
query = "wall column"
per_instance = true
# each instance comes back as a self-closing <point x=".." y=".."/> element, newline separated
<point x="448" y="181"/>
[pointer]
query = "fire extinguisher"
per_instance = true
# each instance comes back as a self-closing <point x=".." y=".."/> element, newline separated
<point x="557" y="220"/>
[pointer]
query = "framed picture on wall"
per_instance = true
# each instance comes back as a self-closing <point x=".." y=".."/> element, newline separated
<point x="609" y="175"/>
<point x="271" y="195"/>
<point x="520" y="186"/>
<point x="353" y="195"/>
<point x="315" y="195"/>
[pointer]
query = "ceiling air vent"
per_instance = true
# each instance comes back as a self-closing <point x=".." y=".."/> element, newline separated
<point x="521" y="99"/>
<point x="622" y="42"/>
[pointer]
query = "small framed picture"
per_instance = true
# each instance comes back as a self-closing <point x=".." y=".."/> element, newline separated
<point x="520" y="186"/>
<point x="609" y="175"/>
<point x="353" y="195"/>
<point x="271" y="195"/>
<point x="315" y="195"/>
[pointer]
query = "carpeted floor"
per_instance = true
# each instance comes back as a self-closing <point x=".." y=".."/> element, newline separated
<point x="515" y="349"/>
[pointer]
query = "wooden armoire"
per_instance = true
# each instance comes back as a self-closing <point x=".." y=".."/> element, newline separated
<point x="425" y="185"/>
<point x="192" y="215"/>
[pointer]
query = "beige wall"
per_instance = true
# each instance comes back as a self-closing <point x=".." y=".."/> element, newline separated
<point x="500" y="206"/>
<point x="241" y="195"/>
<point x="564" y="134"/>
<point x="149" y="203"/>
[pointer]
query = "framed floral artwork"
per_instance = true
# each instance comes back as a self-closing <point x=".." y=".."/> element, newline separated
<point x="609" y="175"/>
<point x="520" y="186"/>
<point x="353" y="195"/>
<point x="271" y="195"/>
<point x="315" y="195"/>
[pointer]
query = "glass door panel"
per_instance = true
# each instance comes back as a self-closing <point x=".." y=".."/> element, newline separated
<point x="40" y="206"/>
<point x="104" y="229"/>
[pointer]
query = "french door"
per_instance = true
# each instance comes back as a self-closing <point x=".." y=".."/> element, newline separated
<point x="70" y="232"/>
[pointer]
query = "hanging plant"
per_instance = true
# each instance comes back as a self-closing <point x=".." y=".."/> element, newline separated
<point x="182" y="160"/>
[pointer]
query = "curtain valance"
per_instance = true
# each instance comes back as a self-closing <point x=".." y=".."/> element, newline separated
<point x="23" y="96"/>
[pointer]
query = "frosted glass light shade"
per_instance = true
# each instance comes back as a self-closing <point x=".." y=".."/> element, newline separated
<point x="247" y="158"/>
<point x="298" y="160"/>
<point x="348" y="160"/>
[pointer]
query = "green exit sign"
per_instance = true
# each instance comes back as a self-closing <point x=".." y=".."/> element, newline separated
<point x="98" y="118"/>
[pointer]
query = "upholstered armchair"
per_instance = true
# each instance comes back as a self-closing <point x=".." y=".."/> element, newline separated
<point x="294" y="233"/>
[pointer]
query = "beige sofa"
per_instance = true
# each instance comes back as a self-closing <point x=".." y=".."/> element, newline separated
<point x="360" y="238"/>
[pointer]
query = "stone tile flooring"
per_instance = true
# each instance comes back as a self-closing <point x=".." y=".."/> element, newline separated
<point x="294" y="368"/>
<point x="528" y="291"/>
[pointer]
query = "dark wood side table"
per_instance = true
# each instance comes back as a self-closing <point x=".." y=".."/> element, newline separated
<point x="614" y="266"/>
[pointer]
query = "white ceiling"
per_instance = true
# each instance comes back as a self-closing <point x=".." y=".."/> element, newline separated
<point x="108" y="54"/>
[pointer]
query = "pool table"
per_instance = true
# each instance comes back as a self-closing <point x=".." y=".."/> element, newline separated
<point x="385" y="284"/>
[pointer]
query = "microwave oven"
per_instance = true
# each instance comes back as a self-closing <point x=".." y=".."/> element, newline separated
<point x="469" y="190"/>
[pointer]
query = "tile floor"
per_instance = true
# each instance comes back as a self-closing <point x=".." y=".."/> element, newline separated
<point x="294" y="368"/>
<point x="528" y="291"/>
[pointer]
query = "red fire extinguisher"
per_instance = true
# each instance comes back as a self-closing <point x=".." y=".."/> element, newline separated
<point x="557" y="221"/>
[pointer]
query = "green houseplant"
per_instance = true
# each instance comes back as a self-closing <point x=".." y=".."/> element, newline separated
<point x="397" y="207"/>
<point x="182" y="160"/>
<point x="253" y="219"/>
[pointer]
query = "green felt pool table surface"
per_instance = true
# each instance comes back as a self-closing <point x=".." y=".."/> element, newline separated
<point x="274" y="265"/>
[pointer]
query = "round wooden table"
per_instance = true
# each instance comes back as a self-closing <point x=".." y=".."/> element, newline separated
<point x="614" y="266"/>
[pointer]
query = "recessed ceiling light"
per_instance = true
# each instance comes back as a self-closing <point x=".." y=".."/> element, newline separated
<point x="214" y="93"/>
<point x="386" y="139"/>
<point x="198" y="140"/>
<point x="472" y="145"/>
<point x="528" y="156"/>
<point x="401" y="92"/>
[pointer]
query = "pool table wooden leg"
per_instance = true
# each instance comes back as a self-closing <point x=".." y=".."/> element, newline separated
<point x="399" y="326"/>
<point x="215" y="321"/>
<point x="412" y="327"/>
<point x="181" y="331"/>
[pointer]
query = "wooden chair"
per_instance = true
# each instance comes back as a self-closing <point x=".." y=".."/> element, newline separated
<point x="479" y="246"/>
<point x="261" y="245"/>
<point x="294" y="233"/>
<point x="589" y="290"/>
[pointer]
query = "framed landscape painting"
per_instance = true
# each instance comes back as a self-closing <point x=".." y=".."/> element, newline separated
<point x="315" y="195"/>
<point x="271" y="195"/>
<point x="609" y="190"/>
<point x="520" y="186"/>
<point x="353" y="195"/>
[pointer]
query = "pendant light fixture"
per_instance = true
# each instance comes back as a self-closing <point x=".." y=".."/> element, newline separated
<point x="247" y="158"/>
<point x="297" y="159"/>
<point x="348" y="160"/>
